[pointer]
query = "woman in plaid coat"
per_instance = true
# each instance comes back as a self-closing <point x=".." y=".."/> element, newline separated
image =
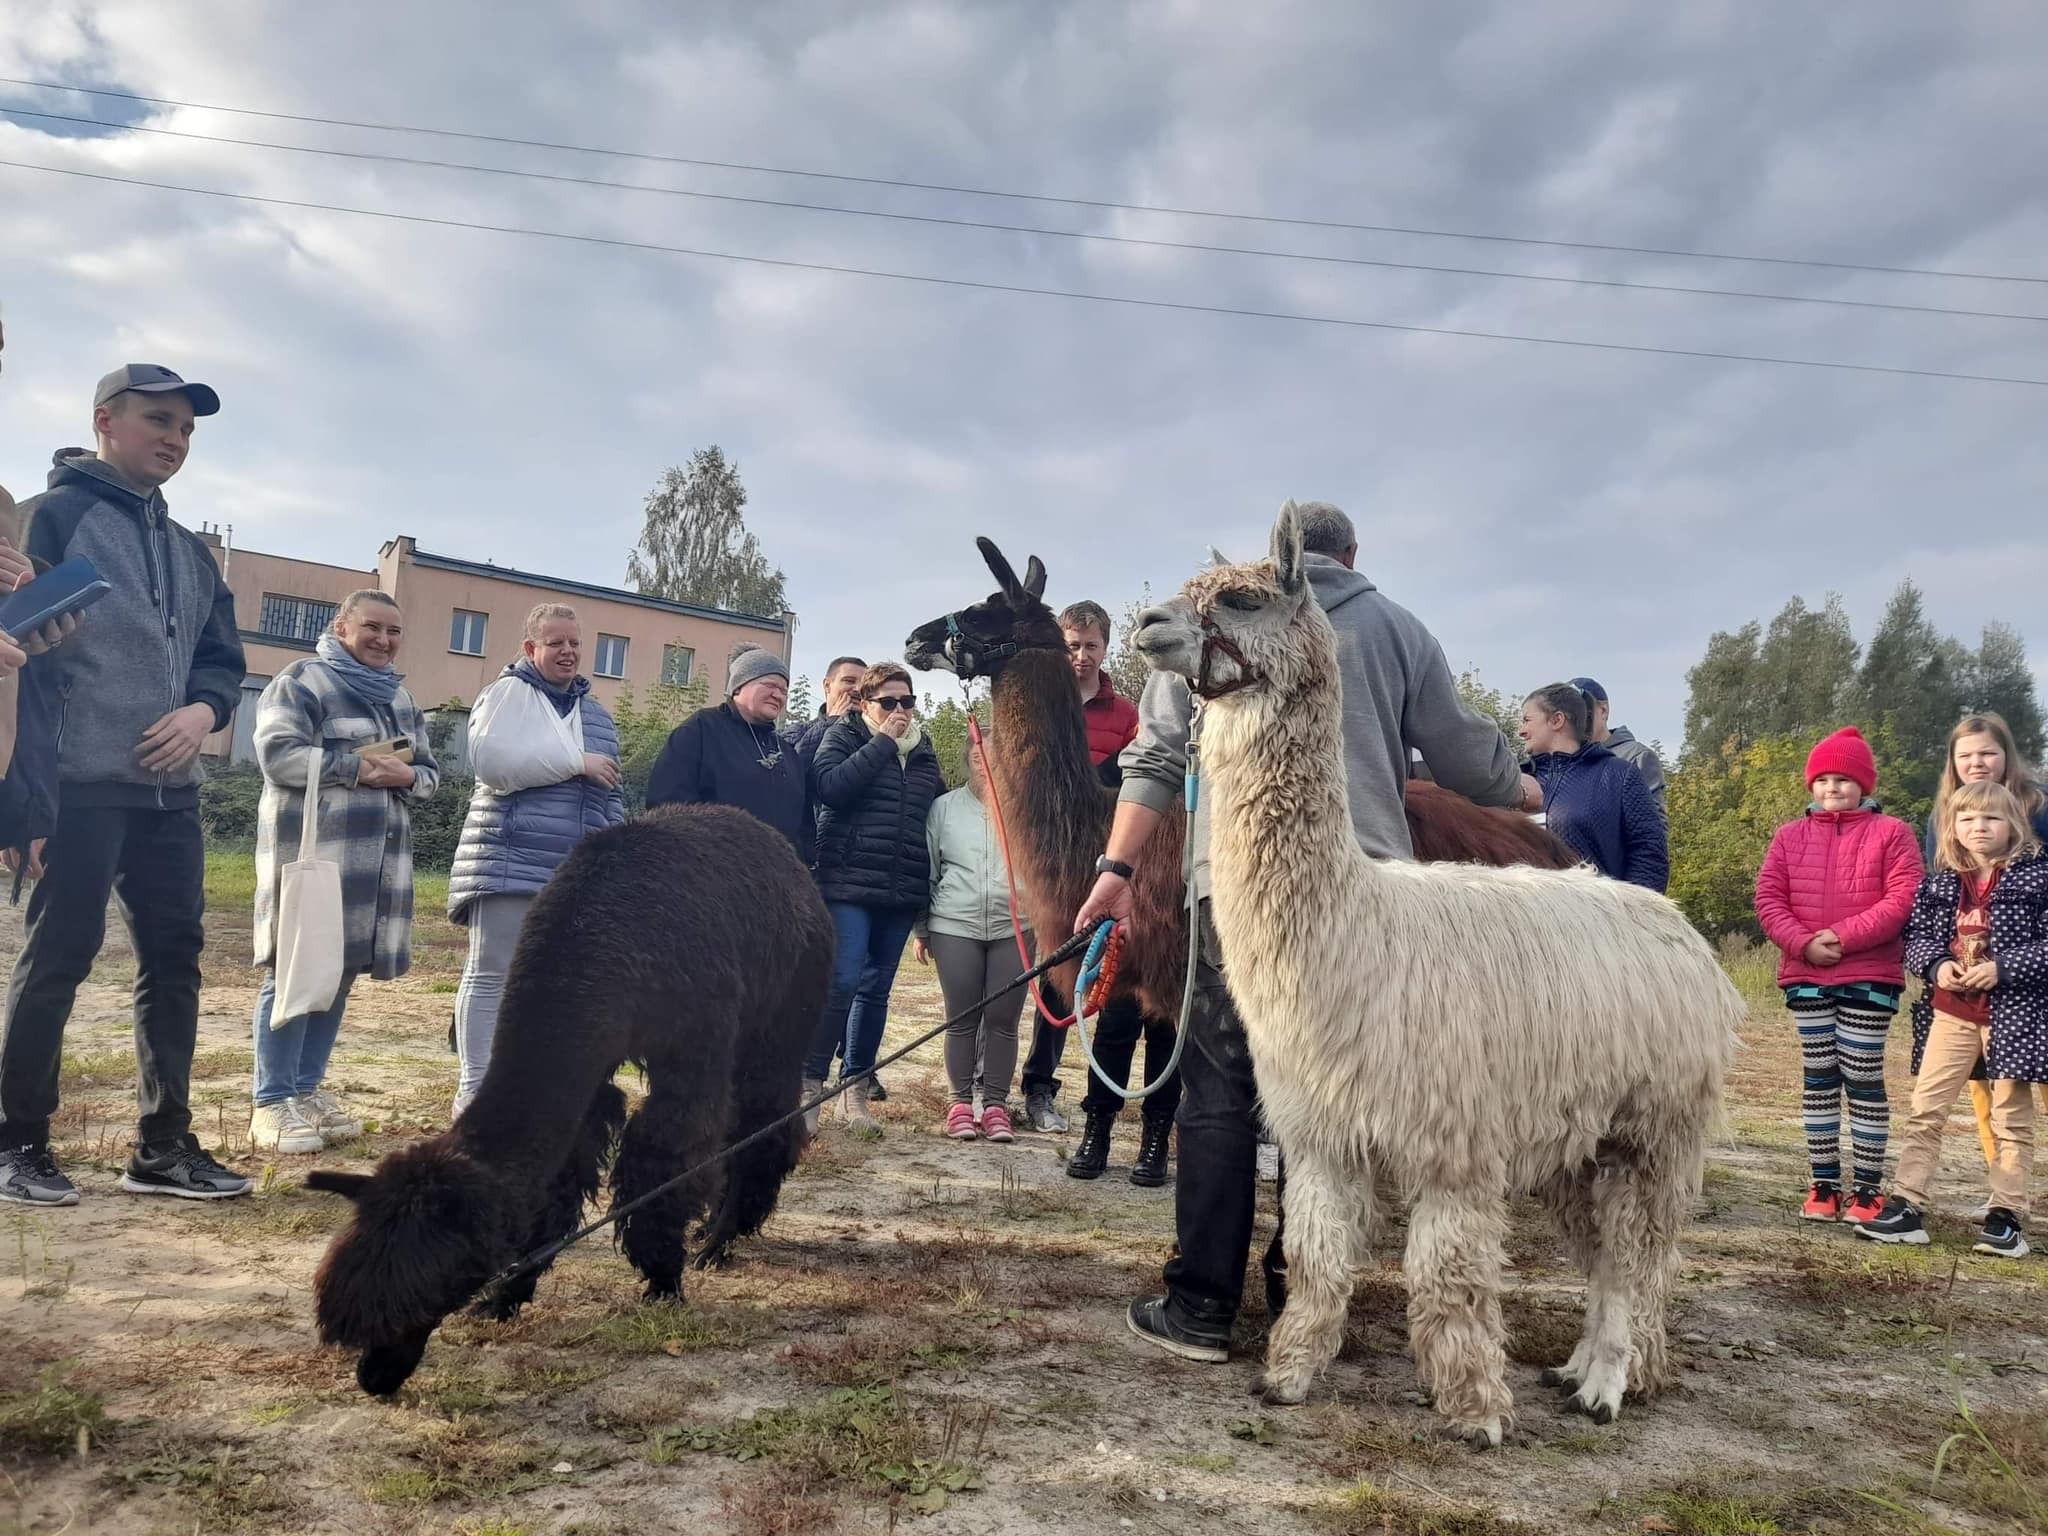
<point x="344" y="700"/>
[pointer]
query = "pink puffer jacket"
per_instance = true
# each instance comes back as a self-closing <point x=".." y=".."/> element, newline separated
<point x="1852" y="871"/>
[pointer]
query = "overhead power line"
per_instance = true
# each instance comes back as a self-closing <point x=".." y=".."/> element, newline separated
<point x="984" y="286"/>
<point x="1028" y="229"/>
<point x="1030" y="197"/>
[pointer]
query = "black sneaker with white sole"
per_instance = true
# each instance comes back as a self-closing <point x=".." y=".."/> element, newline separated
<point x="2001" y="1235"/>
<point x="1149" y="1319"/>
<point x="1898" y="1222"/>
<point x="29" y="1176"/>
<point x="183" y="1170"/>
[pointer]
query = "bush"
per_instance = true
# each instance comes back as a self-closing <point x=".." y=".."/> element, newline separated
<point x="227" y="812"/>
<point x="227" y="806"/>
<point x="437" y="823"/>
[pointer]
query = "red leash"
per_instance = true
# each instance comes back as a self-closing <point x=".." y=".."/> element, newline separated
<point x="1097" y="994"/>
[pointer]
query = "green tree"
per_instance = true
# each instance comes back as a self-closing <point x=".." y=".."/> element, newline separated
<point x="2002" y="681"/>
<point x="644" y="728"/>
<point x="1503" y="711"/>
<point x="801" y="705"/>
<point x="1720" y="705"/>
<point x="1805" y="677"/>
<point x="694" y="546"/>
<point x="946" y="726"/>
<point x="1916" y="677"/>
<point x="1125" y="666"/>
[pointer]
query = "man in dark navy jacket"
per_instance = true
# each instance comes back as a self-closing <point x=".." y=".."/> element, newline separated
<point x="731" y="754"/>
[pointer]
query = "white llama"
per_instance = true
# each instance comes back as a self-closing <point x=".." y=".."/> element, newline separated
<point x="1472" y="1032"/>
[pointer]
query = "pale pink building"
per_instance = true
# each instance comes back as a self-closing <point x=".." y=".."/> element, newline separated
<point x="463" y="625"/>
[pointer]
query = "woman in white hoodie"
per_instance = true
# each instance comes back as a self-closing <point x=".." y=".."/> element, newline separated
<point x="966" y="930"/>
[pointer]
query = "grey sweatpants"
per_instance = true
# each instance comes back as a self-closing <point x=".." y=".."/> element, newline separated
<point x="493" y="934"/>
<point x="970" y="969"/>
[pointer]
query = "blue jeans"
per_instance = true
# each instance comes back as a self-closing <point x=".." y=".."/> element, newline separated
<point x="291" y="1060"/>
<point x="871" y="941"/>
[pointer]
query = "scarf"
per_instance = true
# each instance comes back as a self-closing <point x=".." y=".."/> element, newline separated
<point x="373" y="685"/>
<point x="907" y="743"/>
<point x="564" y="697"/>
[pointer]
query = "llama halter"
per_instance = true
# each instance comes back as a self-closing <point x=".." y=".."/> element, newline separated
<point x="969" y="658"/>
<point x="1213" y="642"/>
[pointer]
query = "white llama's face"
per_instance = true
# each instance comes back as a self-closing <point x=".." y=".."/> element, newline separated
<point x="1246" y="608"/>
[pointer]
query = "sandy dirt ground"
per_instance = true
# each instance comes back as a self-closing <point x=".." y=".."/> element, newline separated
<point x="931" y="1335"/>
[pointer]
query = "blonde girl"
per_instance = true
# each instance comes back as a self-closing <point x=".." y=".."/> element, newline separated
<point x="1978" y="937"/>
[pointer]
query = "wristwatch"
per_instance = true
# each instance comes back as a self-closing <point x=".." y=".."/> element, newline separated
<point x="1108" y="866"/>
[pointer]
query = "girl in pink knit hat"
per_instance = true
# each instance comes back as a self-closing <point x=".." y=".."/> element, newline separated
<point x="1834" y="894"/>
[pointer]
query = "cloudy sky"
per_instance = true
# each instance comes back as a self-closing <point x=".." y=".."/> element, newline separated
<point x="1547" y="510"/>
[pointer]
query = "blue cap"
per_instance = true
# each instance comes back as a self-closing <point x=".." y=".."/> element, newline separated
<point x="1590" y="689"/>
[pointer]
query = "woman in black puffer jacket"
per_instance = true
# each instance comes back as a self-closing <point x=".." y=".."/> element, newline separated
<point x="875" y="777"/>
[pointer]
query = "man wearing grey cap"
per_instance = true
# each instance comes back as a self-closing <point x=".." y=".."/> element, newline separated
<point x="1619" y="740"/>
<point x="731" y="754"/>
<point x="156" y="666"/>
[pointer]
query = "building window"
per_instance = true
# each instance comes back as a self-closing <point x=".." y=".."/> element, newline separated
<point x="466" y="633"/>
<point x="676" y="662"/>
<point x="295" y="618"/>
<point x="611" y="656"/>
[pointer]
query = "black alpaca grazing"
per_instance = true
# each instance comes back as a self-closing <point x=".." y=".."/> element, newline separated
<point x="691" y="942"/>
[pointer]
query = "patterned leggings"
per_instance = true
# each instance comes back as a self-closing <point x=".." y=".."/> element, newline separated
<point x="1841" y="1039"/>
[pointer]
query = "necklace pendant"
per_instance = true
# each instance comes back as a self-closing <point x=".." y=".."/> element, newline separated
<point x="771" y="759"/>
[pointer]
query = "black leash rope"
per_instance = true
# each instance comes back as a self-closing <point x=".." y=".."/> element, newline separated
<point x="547" y="1253"/>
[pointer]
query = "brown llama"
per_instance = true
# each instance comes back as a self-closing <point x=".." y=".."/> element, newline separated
<point x="692" y="943"/>
<point x="1058" y="810"/>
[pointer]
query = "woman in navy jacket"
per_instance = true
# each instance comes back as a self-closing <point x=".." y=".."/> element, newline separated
<point x="1595" y="801"/>
<point x="875" y="777"/>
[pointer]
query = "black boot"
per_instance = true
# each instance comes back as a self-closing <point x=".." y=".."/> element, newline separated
<point x="1150" y="1169"/>
<point x="1092" y="1156"/>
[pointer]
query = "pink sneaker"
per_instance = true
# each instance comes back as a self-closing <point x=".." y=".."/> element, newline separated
<point x="960" y="1122"/>
<point x="995" y="1123"/>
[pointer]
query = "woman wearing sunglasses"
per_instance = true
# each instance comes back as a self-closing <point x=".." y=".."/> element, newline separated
<point x="875" y="777"/>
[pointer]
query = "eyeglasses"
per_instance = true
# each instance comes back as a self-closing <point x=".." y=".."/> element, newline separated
<point x="892" y="703"/>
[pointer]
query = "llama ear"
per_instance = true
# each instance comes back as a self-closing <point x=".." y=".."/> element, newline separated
<point x="337" y="1182"/>
<point x="1000" y="568"/>
<point x="1287" y="540"/>
<point x="1217" y="557"/>
<point x="1034" y="577"/>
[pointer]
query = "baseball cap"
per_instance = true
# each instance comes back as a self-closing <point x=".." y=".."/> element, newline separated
<point x="155" y="379"/>
<point x="1590" y="689"/>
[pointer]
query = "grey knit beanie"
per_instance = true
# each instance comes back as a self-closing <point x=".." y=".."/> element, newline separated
<point x="750" y="664"/>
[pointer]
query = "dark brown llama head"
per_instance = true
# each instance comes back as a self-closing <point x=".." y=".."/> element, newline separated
<point x="432" y="1225"/>
<point x="980" y="641"/>
<point x="1244" y="629"/>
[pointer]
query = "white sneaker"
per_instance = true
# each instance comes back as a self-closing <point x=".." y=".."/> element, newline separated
<point x="334" y="1120"/>
<point x="283" y="1127"/>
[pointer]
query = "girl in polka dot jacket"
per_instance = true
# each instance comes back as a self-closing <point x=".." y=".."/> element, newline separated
<point x="1978" y="937"/>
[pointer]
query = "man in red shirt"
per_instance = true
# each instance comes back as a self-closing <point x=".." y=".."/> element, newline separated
<point x="1112" y="718"/>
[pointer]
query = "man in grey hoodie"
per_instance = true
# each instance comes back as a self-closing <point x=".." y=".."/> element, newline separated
<point x="155" y="666"/>
<point x="1621" y="741"/>
<point x="1398" y="695"/>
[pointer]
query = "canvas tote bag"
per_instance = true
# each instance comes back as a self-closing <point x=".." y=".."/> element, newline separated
<point x="311" y="934"/>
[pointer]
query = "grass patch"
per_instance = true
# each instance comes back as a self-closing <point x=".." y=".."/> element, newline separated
<point x="1369" y="1510"/>
<point x="863" y="1434"/>
<point x="457" y="1460"/>
<point x="231" y="883"/>
<point x="217" y="1483"/>
<point x="668" y="1328"/>
<point x="52" y="1416"/>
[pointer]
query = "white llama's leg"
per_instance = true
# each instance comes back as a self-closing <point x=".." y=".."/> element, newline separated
<point x="1664" y="1191"/>
<point x="1568" y="1197"/>
<point x="1454" y="1322"/>
<point x="1609" y="1298"/>
<point x="1319" y="1242"/>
